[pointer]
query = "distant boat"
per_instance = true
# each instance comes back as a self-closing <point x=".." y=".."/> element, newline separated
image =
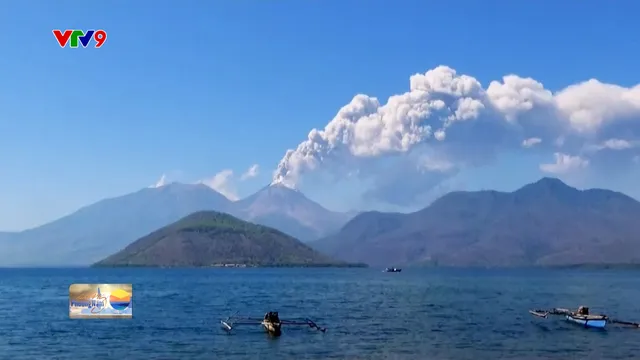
<point x="392" y="269"/>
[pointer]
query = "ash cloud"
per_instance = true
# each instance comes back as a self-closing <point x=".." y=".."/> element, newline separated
<point x="448" y="121"/>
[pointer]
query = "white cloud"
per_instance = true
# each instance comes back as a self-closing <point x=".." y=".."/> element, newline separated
<point x="452" y="115"/>
<point x="617" y="144"/>
<point x="161" y="182"/>
<point x="530" y="142"/>
<point x="516" y="96"/>
<point x="223" y="183"/>
<point x="611" y="144"/>
<point x="591" y="105"/>
<point x="430" y="163"/>
<point x="564" y="164"/>
<point x="251" y="172"/>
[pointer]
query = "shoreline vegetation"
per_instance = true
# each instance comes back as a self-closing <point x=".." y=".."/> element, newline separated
<point x="609" y="266"/>
<point x="226" y="266"/>
<point x="623" y="266"/>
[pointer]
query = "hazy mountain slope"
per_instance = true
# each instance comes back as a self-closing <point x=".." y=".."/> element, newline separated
<point x="107" y="226"/>
<point x="208" y="238"/>
<point x="289" y="211"/>
<point x="6" y="240"/>
<point x="364" y="226"/>
<point x="543" y="223"/>
<point x="4" y="236"/>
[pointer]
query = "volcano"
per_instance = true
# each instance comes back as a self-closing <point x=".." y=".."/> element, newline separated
<point x="291" y="212"/>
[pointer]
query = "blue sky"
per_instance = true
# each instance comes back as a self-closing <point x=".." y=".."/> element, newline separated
<point x="191" y="90"/>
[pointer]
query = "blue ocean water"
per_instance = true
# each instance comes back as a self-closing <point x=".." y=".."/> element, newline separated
<point x="416" y="314"/>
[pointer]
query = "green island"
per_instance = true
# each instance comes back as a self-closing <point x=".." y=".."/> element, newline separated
<point x="215" y="239"/>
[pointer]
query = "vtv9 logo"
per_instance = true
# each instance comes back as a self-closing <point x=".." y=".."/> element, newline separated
<point x="75" y="37"/>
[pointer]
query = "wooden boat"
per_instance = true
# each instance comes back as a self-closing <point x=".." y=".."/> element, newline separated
<point x="392" y="269"/>
<point x="593" y="321"/>
<point x="271" y="323"/>
<point x="582" y="317"/>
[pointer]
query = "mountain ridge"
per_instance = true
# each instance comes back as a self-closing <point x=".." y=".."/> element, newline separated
<point x="543" y="223"/>
<point x="108" y="225"/>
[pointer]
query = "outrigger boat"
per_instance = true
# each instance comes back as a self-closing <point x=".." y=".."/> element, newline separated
<point x="582" y="317"/>
<point x="271" y="323"/>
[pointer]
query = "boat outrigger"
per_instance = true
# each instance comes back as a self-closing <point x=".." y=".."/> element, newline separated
<point x="271" y="323"/>
<point x="583" y="317"/>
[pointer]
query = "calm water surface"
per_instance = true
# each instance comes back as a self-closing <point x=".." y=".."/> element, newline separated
<point x="416" y="314"/>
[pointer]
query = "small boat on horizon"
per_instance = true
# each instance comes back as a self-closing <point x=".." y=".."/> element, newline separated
<point x="392" y="269"/>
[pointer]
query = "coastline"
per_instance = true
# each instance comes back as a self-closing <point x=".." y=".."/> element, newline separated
<point x="604" y="266"/>
<point x="233" y="266"/>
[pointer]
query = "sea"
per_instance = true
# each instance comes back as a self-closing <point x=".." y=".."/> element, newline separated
<point x="435" y="313"/>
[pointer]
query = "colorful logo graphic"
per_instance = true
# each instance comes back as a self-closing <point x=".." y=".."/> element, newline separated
<point x="73" y="37"/>
<point x="120" y="299"/>
<point x="88" y="301"/>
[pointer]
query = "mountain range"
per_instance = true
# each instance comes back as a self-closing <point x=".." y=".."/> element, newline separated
<point x="544" y="223"/>
<point x="210" y="238"/>
<point x="103" y="228"/>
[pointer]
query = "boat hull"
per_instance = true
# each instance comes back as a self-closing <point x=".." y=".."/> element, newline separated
<point x="586" y="322"/>
<point x="274" y="329"/>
